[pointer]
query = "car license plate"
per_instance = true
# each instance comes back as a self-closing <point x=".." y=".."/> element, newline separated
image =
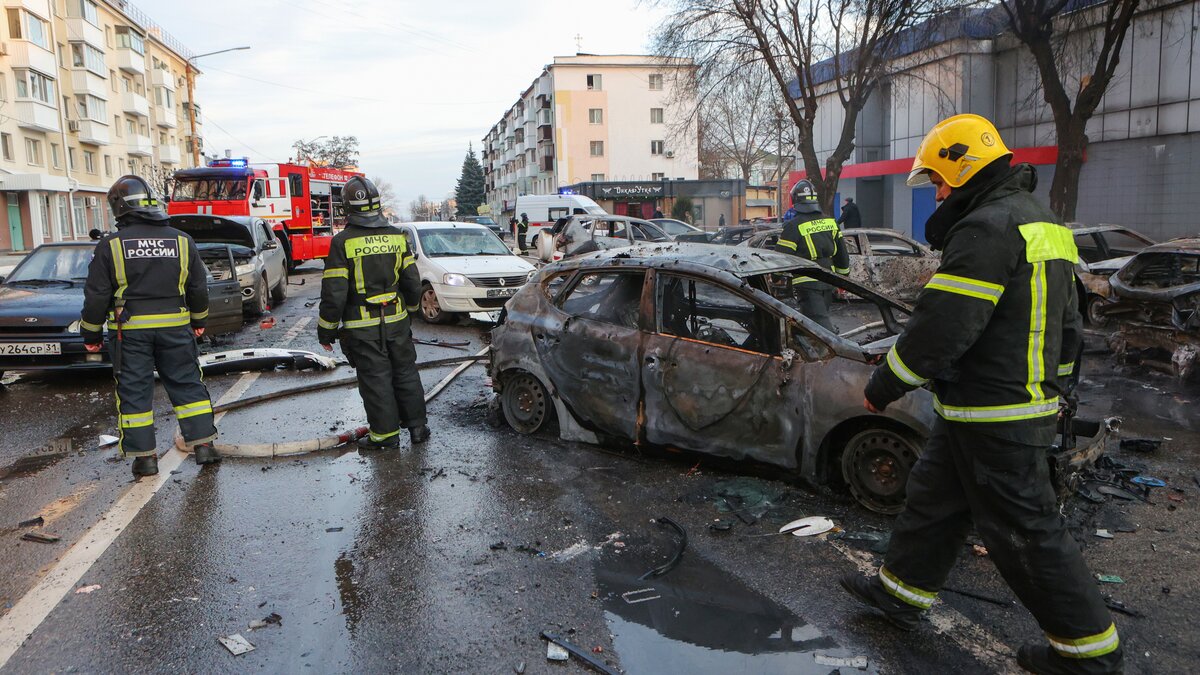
<point x="501" y="292"/>
<point x="29" y="348"/>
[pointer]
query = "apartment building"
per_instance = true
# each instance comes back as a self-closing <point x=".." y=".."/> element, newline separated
<point x="590" y="118"/>
<point x="1143" y="156"/>
<point x="90" y="90"/>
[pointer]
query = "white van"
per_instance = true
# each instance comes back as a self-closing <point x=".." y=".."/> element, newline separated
<point x="543" y="210"/>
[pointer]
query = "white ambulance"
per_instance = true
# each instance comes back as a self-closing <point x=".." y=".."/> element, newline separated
<point x="543" y="210"/>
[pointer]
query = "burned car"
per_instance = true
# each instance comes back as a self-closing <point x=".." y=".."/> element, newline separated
<point x="1103" y="249"/>
<point x="883" y="259"/>
<point x="1156" y="302"/>
<point x="682" y="346"/>
<point x="586" y="233"/>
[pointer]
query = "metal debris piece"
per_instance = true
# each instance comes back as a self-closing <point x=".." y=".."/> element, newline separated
<point x="40" y="537"/>
<point x="107" y="440"/>
<point x="236" y="644"/>
<point x="979" y="550"/>
<point x="1118" y="606"/>
<point x="578" y="652"/>
<point x="859" y="662"/>
<point x="243" y="360"/>
<point x="640" y="595"/>
<point x="554" y="652"/>
<point x="678" y="555"/>
<point x="1148" y="481"/>
<point x="272" y="619"/>
<point x="334" y="529"/>
<point x="519" y="669"/>
<point x="32" y="522"/>
<point x="1109" y="579"/>
<point x="87" y="589"/>
<point x="808" y="527"/>
<point x="1104" y="534"/>
<point x="1140" y="444"/>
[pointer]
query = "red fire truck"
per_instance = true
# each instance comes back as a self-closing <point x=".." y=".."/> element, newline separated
<point x="303" y="203"/>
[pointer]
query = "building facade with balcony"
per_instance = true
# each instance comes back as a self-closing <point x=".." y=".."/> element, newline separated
<point x="90" y="90"/>
<point x="590" y="118"/>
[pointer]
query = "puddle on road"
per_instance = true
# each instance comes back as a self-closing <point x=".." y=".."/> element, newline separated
<point x="700" y="619"/>
<point x="28" y="466"/>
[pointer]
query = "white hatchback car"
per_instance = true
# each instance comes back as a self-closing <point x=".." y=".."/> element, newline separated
<point x="464" y="268"/>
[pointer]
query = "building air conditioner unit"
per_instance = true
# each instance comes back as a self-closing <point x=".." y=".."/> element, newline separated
<point x="73" y="126"/>
<point x="669" y="154"/>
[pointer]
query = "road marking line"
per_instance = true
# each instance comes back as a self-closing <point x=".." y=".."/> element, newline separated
<point x="972" y="637"/>
<point x="32" y="609"/>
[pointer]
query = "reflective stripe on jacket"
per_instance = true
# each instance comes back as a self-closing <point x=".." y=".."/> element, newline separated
<point x="370" y="276"/>
<point x="814" y="237"/>
<point x="998" y="325"/>
<point x="148" y="272"/>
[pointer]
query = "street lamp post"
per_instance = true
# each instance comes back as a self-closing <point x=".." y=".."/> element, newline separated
<point x="192" y="98"/>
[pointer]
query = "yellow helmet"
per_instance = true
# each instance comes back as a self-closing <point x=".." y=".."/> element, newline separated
<point x="956" y="148"/>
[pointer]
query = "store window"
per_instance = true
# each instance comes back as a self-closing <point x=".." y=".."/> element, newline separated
<point x="62" y="213"/>
<point x="44" y="218"/>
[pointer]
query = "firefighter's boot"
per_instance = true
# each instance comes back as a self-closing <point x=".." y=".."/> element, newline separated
<point x="146" y="465"/>
<point x="870" y="592"/>
<point x="419" y="434"/>
<point x="1042" y="659"/>
<point x="205" y="453"/>
<point x="365" y="443"/>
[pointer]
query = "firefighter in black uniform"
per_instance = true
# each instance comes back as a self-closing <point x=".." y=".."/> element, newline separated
<point x="996" y="333"/>
<point x="148" y="284"/>
<point x="369" y="287"/>
<point x="813" y="236"/>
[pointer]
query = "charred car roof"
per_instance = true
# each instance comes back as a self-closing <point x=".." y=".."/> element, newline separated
<point x="1190" y="245"/>
<point x="736" y="261"/>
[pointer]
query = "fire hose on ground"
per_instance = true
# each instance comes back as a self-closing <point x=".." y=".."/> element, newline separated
<point x="325" y="442"/>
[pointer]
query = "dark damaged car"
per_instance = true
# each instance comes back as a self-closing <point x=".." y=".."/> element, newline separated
<point x="40" y="304"/>
<point x="1156" y="303"/>
<point x="682" y="346"/>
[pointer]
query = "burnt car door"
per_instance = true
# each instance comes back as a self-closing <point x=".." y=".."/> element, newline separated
<point x="714" y="377"/>
<point x="896" y="266"/>
<point x="589" y="347"/>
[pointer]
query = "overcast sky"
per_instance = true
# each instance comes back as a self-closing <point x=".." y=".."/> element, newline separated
<point x="415" y="81"/>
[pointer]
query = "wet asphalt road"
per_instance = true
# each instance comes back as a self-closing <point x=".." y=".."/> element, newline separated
<point x="455" y="556"/>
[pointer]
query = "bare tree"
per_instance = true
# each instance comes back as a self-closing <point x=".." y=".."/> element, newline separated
<point x="815" y="51"/>
<point x="1044" y="27"/>
<point x="387" y="196"/>
<point x="739" y="131"/>
<point x="339" y="152"/>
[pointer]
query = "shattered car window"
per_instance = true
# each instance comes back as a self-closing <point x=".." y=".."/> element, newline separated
<point x="1089" y="248"/>
<point x="554" y="285"/>
<point x="1163" y="270"/>
<point x="852" y="245"/>
<point x="608" y="297"/>
<point x="1123" y="244"/>
<point x="704" y="311"/>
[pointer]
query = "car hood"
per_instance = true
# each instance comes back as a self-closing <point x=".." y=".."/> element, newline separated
<point x="482" y="264"/>
<point x="51" y="306"/>
<point x="214" y="250"/>
<point x="215" y="231"/>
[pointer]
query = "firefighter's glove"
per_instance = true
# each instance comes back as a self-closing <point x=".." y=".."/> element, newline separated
<point x="883" y="388"/>
<point x="327" y="336"/>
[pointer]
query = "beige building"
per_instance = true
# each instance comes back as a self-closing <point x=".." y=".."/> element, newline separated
<point x="89" y="91"/>
<point x="593" y="118"/>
